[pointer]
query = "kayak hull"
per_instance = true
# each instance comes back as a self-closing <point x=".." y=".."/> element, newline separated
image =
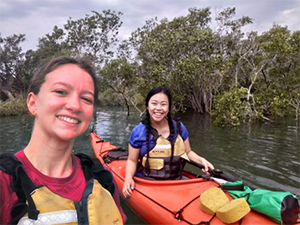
<point x="167" y="202"/>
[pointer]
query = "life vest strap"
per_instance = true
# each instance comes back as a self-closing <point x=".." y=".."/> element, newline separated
<point x="21" y="184"/>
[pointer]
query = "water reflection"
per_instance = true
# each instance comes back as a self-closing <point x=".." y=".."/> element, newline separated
<point x="115" y="126"/>
<point x="264" y="155"/>
<point x="15" y="132"/>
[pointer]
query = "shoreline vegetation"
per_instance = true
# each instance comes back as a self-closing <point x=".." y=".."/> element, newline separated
<point x="234" y="76"/>
<point x="16" y="107"/>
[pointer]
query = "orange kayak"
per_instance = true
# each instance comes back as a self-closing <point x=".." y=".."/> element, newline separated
<point x="166" y="202"/>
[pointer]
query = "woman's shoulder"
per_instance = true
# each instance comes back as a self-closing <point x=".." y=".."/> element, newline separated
<point x="139" y="128"/>
<point x="138" y="131"/>
<point x="137" y="134"/>
<point x="177" y="122"/>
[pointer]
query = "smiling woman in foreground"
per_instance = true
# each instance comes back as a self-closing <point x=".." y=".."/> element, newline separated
<point x="45" y="180"/>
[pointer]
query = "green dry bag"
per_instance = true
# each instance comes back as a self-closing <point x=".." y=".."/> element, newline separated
<point x="282" y="207"/>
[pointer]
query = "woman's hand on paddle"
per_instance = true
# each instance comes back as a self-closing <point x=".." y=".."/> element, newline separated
<point x="128" y="187"/>
<point x="207" y="165"/>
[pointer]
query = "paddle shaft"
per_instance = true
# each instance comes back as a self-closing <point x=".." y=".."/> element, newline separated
<point x="217" y="173"/>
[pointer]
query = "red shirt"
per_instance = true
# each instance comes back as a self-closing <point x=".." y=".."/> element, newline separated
<point x="71" y="187"/>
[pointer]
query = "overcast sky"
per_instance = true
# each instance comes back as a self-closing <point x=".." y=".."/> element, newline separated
<point x="35" y="18"/>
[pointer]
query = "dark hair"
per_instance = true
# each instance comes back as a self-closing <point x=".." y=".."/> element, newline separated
<point x="146" y="120"/>
<point x="39" y="77"/>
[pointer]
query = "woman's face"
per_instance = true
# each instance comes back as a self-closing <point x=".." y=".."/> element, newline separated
<point x="64" y="105"/>
<point x="158" y="107"/>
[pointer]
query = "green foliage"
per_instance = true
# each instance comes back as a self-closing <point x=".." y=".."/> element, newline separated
<point x="220" y="70"/>
<point x="13" y="70"/>
<point x="231" y="108"/>
<point x="274" y="103"/>
<point x="120" y="76"/>
<point x="15" y="107"/>
<point x="94" y="35"/>
<point x="279" y="106"/>
<point x="183" y="55"/>
<point x="111" y="98"/>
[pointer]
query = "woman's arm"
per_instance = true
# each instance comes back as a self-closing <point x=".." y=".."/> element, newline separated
<point x="131" y="165"/>
<point x="196" y="158"/>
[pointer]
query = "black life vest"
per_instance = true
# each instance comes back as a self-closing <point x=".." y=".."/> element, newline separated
<point x="164" y="161"/>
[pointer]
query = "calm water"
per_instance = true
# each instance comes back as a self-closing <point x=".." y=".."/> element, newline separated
<point x="263" y="155"/>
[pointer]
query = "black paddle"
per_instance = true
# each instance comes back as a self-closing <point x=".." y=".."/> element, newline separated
<point x="217" y="173"/>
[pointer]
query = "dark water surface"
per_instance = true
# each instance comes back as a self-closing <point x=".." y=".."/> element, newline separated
<point x="263" y="155"/>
